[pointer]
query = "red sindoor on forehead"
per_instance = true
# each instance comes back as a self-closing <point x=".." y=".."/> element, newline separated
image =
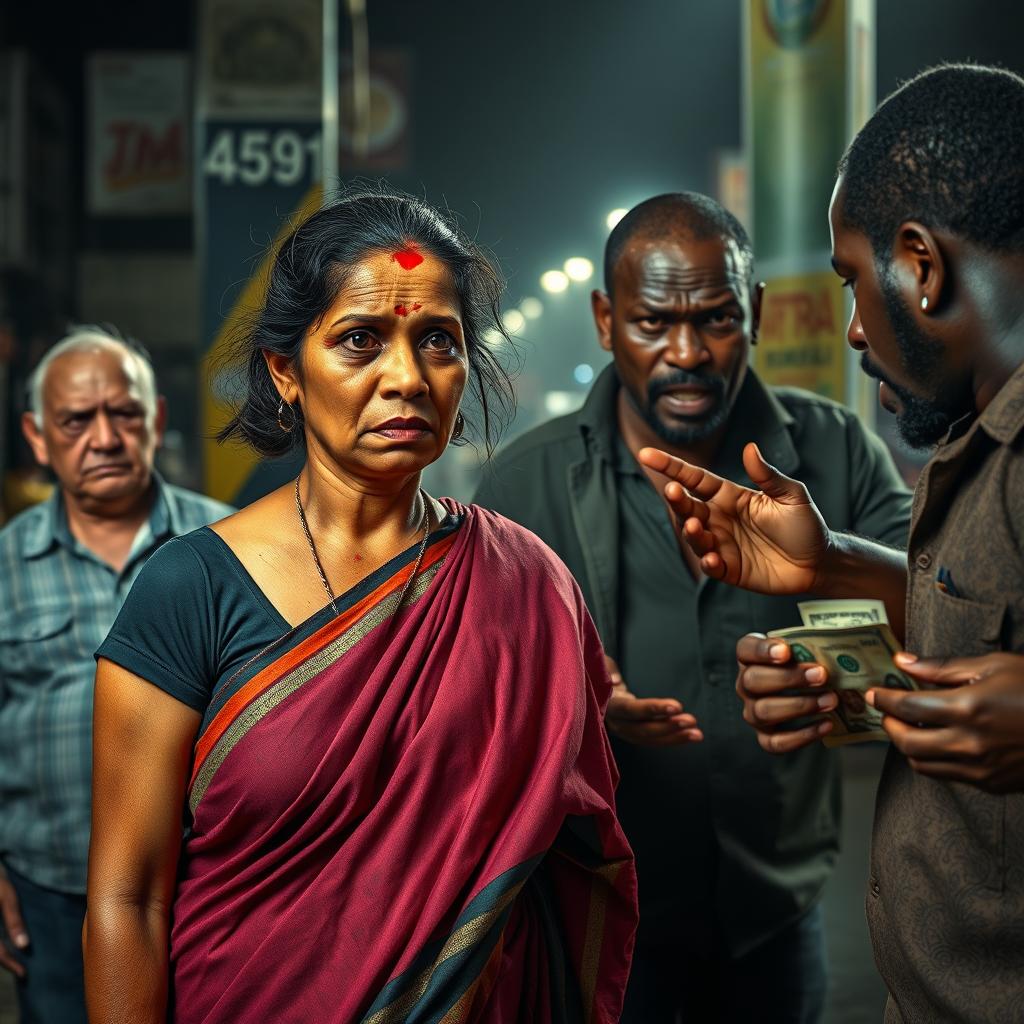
<point x="403" y="310"/>
<point x="407" y="258"/>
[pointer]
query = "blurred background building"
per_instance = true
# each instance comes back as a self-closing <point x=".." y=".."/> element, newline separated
<point x="534" y="121"/>
<point x="125" y="149"/>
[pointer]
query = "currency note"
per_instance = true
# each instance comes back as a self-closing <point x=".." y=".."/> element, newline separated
<point x="857" y="658"/>
<point x="838" y="614"/>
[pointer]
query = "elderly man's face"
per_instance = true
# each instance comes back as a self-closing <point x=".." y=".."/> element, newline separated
<point x="97" y="435"/>
<point x="679" y="323"/>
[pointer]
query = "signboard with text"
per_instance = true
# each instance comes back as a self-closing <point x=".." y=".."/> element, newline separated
<point x="259" y="170"/>
<point x="138" y="141"/>
<point x="809" y="66"/>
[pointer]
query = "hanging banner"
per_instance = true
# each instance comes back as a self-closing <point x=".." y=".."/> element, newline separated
<point x="266" y="141"/>
<point x="138" y="159"/>
<point x="390" y="129"/>
<point x="809" y="68"/>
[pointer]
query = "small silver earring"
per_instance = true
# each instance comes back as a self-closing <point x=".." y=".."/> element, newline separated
<point x="924" y="302"/>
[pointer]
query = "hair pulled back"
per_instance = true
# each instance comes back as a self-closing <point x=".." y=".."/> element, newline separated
<point x="313" y="264"/>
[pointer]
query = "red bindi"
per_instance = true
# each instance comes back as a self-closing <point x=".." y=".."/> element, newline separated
<point x="416" y="306"/>
<point x="407" y="258"/>
<point x="401" y="310"/>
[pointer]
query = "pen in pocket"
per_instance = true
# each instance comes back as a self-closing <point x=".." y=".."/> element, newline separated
<point x="944" y="581"/>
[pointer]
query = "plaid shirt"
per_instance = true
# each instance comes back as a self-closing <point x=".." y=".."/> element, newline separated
<point x="57" y="602"/>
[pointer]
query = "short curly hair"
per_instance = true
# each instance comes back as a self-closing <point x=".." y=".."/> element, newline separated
<point x="946" y="149"/>
<point x="690" y="214"/>
<point x="312" y="265"/>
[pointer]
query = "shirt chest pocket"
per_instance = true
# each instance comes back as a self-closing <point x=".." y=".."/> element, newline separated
<point x="36" y="645"/>
<point x="954" y="627"/>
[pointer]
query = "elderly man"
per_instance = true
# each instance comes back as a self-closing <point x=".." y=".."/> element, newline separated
<point x="928" y="230"/>
<point x="65" y="567"/>
<point x="732" y="847"/>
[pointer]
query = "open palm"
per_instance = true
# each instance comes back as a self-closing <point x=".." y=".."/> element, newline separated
<point x="771" y="540"/>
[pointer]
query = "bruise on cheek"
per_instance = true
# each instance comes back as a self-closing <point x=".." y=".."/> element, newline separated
<point x="407" y="258"/>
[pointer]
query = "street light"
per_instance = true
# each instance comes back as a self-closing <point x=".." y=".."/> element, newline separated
<point x="554" y="281"/>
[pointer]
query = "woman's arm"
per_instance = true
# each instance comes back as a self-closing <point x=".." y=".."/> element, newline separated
<point x="142" y="748"/>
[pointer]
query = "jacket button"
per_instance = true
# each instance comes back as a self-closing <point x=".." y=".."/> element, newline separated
<point x="924" y="560"/>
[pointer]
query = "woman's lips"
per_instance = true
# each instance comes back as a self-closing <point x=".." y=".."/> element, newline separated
<point x="412" y="429"/>
<point x="402" y="433"/>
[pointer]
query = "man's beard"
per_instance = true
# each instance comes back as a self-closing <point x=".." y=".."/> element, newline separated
<point x="690" y="430"/>
<point x="921" y="422"/>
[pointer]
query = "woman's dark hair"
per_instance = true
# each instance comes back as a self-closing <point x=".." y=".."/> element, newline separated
<point x="310" y="268"/>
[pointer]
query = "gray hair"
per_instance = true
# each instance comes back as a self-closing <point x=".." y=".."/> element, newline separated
<point x="90" y="338"/>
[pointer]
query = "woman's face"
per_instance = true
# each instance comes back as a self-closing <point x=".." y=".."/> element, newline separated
<point x="383" y="373"/>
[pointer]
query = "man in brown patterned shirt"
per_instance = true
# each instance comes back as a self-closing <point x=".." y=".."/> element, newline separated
<point x="928" y="230"/>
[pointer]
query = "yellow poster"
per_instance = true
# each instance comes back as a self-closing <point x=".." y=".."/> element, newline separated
<point x="801" y="342"/>
<point x="808" y="88"/>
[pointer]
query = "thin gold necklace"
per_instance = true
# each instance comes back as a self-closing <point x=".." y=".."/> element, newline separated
<point x="320" y="569"/>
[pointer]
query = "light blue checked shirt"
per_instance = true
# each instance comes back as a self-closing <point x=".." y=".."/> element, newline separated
<point x="57" y="603"/>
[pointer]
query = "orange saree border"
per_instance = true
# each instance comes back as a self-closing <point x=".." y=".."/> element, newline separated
<point x="309" y="647"/>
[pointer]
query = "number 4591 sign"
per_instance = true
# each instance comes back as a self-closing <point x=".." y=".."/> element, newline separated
<point x="259" y="156"/>
<point x="253" y="176"/>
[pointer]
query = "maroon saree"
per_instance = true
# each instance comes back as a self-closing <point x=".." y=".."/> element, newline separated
<point x="410" y="817"/>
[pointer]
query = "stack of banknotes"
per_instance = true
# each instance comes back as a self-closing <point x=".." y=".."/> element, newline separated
<point x="854" y="643"/>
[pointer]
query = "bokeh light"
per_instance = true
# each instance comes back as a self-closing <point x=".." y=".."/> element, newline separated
<point x="579" y="268"/>
<point x="531" y="308"/>
<point x="554" y="281"/>
<point x="513" y="320"/>
<point x="615" y="216"/>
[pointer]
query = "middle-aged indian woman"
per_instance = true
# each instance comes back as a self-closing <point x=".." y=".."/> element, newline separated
<point x="381" y="712"/>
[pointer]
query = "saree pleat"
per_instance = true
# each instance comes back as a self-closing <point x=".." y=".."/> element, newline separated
<point x="407" y="815"/>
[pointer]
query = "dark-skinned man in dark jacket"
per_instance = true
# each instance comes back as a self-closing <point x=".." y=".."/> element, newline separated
<point x="733" y="846"/>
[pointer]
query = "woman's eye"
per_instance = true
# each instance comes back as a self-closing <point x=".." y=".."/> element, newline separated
<point x="439" y="341"/>
<point x="359" y="341"/>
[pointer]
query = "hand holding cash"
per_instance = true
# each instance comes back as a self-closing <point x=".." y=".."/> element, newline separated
<point x="852" y="641"/>
<point x="809" y="682"/>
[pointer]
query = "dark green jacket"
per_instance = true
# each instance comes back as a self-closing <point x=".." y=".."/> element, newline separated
<point x="732" y="843"/>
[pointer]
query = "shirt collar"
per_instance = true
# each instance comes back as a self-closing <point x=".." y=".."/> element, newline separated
<point x="757" y="415"/>
<point x="1003" y="417"/>
<point x="51" y="526"/>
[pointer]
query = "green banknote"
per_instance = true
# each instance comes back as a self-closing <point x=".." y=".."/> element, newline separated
<point x="857" y="658"/>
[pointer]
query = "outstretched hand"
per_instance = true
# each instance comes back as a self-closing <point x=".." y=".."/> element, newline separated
<point x="648" y="721"/>
<point x="771" y="540"/>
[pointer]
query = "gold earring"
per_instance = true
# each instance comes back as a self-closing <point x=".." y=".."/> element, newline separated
<point x="460" y="426"/>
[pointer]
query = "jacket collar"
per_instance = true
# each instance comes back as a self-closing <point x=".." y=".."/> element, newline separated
<point x="1003" y="418"/>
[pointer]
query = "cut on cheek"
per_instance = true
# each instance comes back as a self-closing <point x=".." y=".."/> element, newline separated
<point x="407" y="258"/>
